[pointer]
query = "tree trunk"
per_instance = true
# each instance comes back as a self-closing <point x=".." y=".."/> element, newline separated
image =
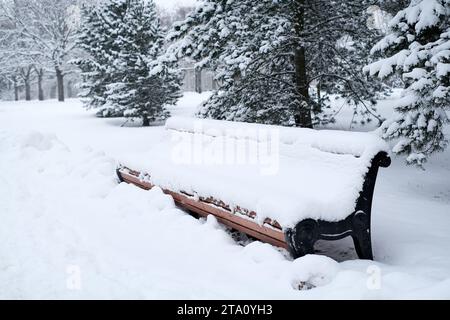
<point x="319" y="94"/>
<point x="40" y="74"/>
<point x="60" y="84"/>
<point x="198" y="80"/>
<point x="69" y="90"/>
<point x="25" y="74"/>
<point x="303" y="117"/>
<point x="27" y="89"/>
<point x="16" y="90"/>
<point x="145" y="122"/>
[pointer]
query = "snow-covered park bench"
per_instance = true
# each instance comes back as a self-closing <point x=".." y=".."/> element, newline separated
<point x="289" y="187"/>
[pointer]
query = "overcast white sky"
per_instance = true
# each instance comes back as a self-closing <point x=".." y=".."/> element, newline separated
<point x="168" y="4"/>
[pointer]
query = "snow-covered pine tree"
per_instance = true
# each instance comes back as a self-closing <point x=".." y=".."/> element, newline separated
<point x="145" y="84"/>
<point x="392" y="7"/>
<point x="99" y="40"/>
<point x="267" y="54"/>
<point x="418" y="47"/>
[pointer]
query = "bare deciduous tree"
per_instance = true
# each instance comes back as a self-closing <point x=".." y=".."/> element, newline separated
<point x="49" y="27"/>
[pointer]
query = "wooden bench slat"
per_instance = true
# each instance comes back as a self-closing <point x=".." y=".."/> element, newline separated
<point x="206" y="208"/>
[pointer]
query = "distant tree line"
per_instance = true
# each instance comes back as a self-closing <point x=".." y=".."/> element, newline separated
<point x="37" y="37"/>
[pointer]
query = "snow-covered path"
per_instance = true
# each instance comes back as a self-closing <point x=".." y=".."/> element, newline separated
<point x="68" y="230"/>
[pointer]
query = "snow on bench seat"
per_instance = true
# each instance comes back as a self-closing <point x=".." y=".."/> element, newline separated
<point x="306" y="174"/>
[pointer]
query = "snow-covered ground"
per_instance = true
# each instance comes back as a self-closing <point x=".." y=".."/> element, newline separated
<point x="69" y="230"/>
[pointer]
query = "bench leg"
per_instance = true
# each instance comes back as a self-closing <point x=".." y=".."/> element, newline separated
<point x="301" y="240"/>
<point x="361" y="236"/>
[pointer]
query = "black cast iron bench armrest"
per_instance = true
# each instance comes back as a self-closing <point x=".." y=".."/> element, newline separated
<point x="302" y="238"/>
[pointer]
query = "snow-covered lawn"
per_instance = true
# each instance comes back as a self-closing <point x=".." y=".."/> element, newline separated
<point x="69" y="230"/>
